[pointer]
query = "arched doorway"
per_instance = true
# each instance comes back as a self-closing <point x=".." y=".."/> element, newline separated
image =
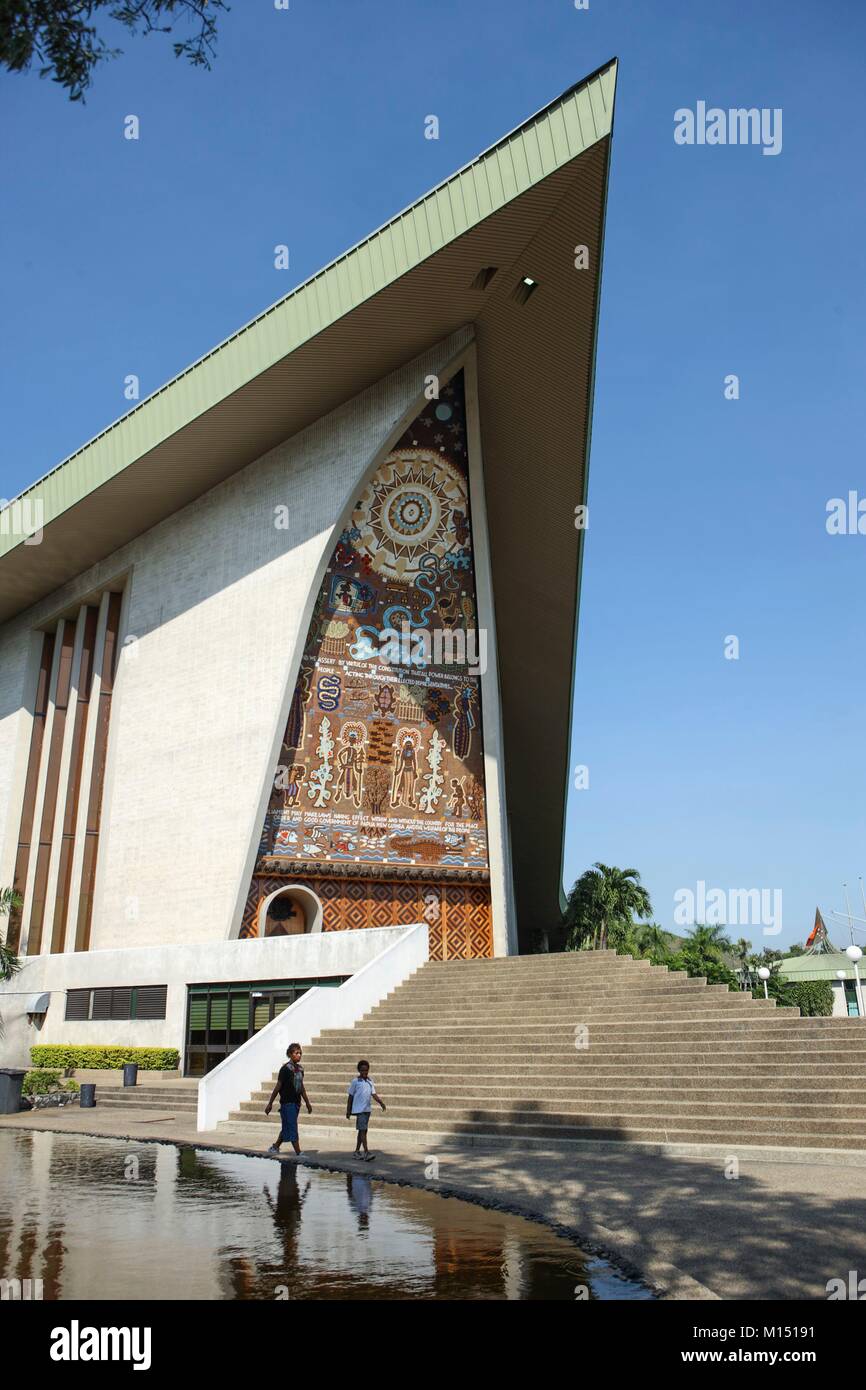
<point x="290" y="911"/>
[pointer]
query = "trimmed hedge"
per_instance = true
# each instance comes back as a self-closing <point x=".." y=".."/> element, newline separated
<point x="104" y="1058"/>
<point x="44" y="1081"/>
<point x="814" y="997"/>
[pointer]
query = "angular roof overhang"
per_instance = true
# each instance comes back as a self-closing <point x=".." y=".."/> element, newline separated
<point x="522" y="206"/>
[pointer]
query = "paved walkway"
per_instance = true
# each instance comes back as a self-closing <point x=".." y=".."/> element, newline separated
<point x="780" y="1230"/>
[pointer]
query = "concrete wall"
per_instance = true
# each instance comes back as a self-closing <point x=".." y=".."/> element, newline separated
<point x="214" y="618"/>
<point x="840" y="1002"/>
<point x="177" y="965"/>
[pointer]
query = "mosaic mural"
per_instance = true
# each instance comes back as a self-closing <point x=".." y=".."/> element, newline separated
<point x="382" y="758"/>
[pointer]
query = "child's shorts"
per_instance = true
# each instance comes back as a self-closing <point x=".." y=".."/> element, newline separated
<point x="289" y="1117"/>
<point x="362" y="1120"/>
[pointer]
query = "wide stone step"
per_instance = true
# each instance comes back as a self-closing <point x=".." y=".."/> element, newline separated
<point x="176" y="1106"/>
<point x="627" y="998"/>
<point x="612" y="1122"/>
<point x="636" y="1102"/>
<point x="506" y="971"/>
<point x="566" y="1014"/>
<point x="577" y="1073"/>
<point x="670" y="984"/>
<point x="185" y="1093"/>
<point x="627" y="977"/>
<point x="648" y="995"/>
<point x="486" y="1056"/>
<point x="562" y="1035"/>
<point x="444" y="1092"/>
<point x="566" y="1141"/>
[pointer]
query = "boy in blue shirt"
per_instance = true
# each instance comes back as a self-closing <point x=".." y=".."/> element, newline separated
<point x="362" y="1092"/>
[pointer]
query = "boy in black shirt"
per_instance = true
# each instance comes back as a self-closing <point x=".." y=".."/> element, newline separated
<point x="290" y="1084"/>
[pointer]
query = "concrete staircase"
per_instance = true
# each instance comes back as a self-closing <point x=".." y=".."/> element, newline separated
<point x="150" y="1098"/>
<point x="492" y="1052"/>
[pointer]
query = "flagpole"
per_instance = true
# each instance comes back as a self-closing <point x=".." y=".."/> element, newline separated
<point x="848" y="906"/>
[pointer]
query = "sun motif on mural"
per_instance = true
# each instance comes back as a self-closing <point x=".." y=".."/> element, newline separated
<point x="407" y="511"/>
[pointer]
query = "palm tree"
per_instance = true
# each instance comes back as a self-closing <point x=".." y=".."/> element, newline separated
<point x="653" y="940"/>
<point x="602" y="905"/>
<point x="9" y="961"/>
<point x="742" y="950"/>
<point x="709" y="940"/>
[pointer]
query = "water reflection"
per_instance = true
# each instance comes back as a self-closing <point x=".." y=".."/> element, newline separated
<point x="110" y="1219"/>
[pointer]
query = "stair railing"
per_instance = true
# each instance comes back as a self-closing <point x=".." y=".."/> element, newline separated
<point x="242" y="1072"/>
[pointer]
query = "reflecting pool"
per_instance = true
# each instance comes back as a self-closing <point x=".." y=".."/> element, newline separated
<point x="118" y="1219"/>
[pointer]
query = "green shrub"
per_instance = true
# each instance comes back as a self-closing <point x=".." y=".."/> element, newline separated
<point x="104" y="1058"/>
<point x="813" y="997"/>
<point x="38" y="1083"/>
<point x="697" y="962"/>
<point x="44" y="1080"/>
<point x="778" y="988"/>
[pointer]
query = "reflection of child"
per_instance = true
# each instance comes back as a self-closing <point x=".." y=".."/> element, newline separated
<point x="360" y="1194"/>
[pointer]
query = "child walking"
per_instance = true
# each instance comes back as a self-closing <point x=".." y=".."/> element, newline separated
<point x="362" y="1092"/>
<point x="290" y="1088"/>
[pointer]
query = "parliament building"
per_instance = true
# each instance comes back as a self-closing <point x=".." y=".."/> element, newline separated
<point x="287" y="652"/>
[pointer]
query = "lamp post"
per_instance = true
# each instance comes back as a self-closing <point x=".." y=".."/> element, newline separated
<point x="854" y="954"/>
<point x="764" y="974"/>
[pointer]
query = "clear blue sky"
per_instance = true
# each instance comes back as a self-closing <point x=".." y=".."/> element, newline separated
<point x="707" y="516"/>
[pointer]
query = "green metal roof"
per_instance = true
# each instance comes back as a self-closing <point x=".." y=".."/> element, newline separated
<point x="536" y="149"/>
<point x="823" y="967"/>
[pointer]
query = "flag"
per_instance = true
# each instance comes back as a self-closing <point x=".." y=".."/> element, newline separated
<point x="818" y="934"/>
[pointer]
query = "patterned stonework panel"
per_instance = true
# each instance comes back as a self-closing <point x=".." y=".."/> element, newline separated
<point x="458" y="914"/>
<point x="382" y="758"/>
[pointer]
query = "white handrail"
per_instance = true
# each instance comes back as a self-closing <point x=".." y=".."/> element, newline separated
<point x="241" y="1073"/>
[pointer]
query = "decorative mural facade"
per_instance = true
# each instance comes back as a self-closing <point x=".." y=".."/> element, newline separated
<point x="379" y="793"/>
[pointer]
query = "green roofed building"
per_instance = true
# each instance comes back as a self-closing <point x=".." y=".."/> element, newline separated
<point x="826" y="966"/>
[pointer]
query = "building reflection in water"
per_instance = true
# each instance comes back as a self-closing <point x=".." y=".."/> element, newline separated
<point x="107" y="1219"/>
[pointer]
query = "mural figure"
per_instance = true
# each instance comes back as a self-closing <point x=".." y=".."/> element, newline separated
<point x="405" y="768"/>
<point x="457" y="800"/>
<point x="384" y="699"/>
<point x="292" y="788"/>
<point x="350" y="761"/>
<point x="464" y="722"/>
<point x="295" y="726"/>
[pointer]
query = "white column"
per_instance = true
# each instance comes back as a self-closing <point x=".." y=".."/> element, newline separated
<point x="502" y="893"/>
